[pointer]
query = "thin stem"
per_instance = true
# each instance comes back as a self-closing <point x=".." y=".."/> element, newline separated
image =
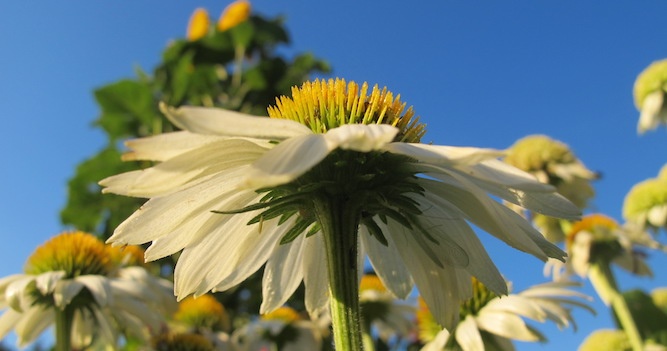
<point x="604" y="283"/>
<point x="63" y="321"/>
<point x="339" y="224"/>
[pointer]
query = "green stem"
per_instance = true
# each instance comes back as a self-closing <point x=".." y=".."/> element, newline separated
<point x="604" y="283"/>
<point x="63" y="321"/>
<point x="339" y="223"/>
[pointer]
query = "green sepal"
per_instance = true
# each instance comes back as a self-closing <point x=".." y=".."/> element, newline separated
<point x="299" y="227"/>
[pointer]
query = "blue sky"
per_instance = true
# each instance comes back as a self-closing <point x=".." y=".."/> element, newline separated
<point x="479" y="73"/>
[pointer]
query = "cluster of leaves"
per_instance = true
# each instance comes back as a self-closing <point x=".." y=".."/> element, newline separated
<point x="237" y="69"/>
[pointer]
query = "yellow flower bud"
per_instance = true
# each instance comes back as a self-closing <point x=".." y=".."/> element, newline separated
<point x="199" y="24"/>
<point x="234" y="13"/>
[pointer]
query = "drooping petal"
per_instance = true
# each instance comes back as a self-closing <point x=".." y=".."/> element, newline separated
<point x="8" y="321"/>
<point x="33" y="322"/>
<point x="204" y="120"/>
<point x="444" y="155"/>
<point x="16" y="294"/>
<point x="65" y="291"/>
<point x="282" y="275"/>
<point x="387" y="262"/>
<point x="438" y="343"/>
<point x="649" y="117"/>
<point x="162" y="147"/>
<point x="46" y="282"/>
<point x="505" y="324"/>
<point x="184" y="170"/>
<point x="467" y="335"/>
<point x="98" y="287"/>
<point x="288" y="160"/>
<point x="518" y="305"/>
<point x="316" y="276"/>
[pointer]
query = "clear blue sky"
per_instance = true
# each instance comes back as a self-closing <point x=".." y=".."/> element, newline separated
<point x="480" y="73"/>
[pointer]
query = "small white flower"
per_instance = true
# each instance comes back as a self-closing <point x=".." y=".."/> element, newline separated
<point x="107" y="300"/>
<point x="380" y="309"/>
<point x="282" y="329"/>
<point x="493" y="320"/>
<point x="235" y="192"/>
<point x="649" y="94"/>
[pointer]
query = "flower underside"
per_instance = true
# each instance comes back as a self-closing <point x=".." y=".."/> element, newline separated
<point x="324" y="105"/>
<point x="378" y="184"/>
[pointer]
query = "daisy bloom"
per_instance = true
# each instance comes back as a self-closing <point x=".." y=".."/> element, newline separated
<point x="78" y="283"/>
<point x="168" y="341"/>
<point x="649" y="94"/>
<point x="199" y="24"/>
<point x="333" y="175"/>
<point x="206" y="316"/>
<point x="381" y="310"/>
<point x="283" y="329"/>
<point x="646" y="202"/>
<point x="488" y="320"/>
<point x="553" y="162"/>
<point x="234" y="14"/>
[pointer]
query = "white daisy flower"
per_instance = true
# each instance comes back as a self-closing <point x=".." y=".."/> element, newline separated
<point x="235" y="192"/>
<point x="490" y="321"/>
<point x="76" y="277"/>
<point x="649" y="94"/>
<point x="646" y="203"/>
<point x="282" y="329"/>
<point x="552" y="162"/>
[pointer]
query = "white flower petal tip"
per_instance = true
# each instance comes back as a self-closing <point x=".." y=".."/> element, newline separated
<point x="360" y="137"/>
<point x="215" y="121"/>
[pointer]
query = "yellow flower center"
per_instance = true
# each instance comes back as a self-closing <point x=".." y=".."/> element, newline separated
<point x="285" y="314"/>
<point x="653" y="78"/>
<point x="130" y="255"/>
<point x="644" y="196"/>
<point x="481" y="295"/>
<point x="234" y="13"/>
<point x="323" y="105"/>
<point x="597" y="224"/>
<point x="199" y="25"/>
<point x="202" y="312"/>
<point x="537" y="152"/>
<point x="428" y="327"/>
<point x="371" y="282"/>
<point x="75" y="253"/>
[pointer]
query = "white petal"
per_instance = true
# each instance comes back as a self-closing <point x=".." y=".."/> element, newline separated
<point x="65" y="291"/>
<point x="468" y="336"/>
<point x="444" y="155"/>
<point x="288" y="160"/>
<point x="8" y="321"/>
<point x="216" y="121"/>
<point x="98" y="286"/>
<point x="185" y="209"/>
<point x="46" y="282"/>
<point x="438" y="343"/>
<point x="282" y="275"/>
<point x="161" y="147"/>
<point x="33" y="323"/>
<point x="518" y="305"/>
<point x="505" y="324"/>
<point x="16" y="294"/>
<point x="316" y="276"/>
<point x="361" y="137"/>
<point x="442" y="288"/>
<point x="184" y="170"/>
<point x="651" y="106"/>
<point x="387" y="262"/>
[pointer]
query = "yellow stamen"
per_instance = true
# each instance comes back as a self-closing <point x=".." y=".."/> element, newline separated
<point x="428" y="327"/>
<point x="199" y="25"/>
<point x="322" y="105"/>
<point x="75" y="253"/>
<point x="203" y="311"/>
<point x="285" y="314"/>
<point x="234" y="14"/>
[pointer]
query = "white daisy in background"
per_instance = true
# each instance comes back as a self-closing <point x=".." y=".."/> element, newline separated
<point x="283" y="329"/>
<point x="492" y="322"/>
<point x="206" y="316"/>
<point x="649" y="93"/>
<point x="646" y="203"/>
<point x="552" y="162"/>
<point x="388" y="317"/>
<point x="76" y="275"/>
<point x="234" y="192"/>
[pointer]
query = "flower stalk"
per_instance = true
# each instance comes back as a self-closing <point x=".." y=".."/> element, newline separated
<point x="339" y="222"/>
<point x="605" y="285"/>
<point x="63" y="321"/>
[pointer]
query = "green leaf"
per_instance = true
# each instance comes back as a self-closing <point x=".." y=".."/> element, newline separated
<point x="126" y="105"/>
